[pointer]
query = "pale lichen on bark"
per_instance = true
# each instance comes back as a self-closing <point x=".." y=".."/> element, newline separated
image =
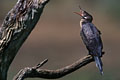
<point x="16" y="27"/>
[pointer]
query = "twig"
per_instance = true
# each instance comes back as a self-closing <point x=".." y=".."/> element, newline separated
<point x="23" y="72"/>
<point x="40" y="64"/>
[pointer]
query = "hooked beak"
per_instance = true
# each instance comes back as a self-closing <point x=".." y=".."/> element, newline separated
<point x="79" y="14"/>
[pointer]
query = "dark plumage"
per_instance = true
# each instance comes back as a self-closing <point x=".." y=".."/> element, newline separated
<point x="91" y="38"/>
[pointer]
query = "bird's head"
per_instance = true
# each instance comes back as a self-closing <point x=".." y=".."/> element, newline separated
<point x="85" y="16"/>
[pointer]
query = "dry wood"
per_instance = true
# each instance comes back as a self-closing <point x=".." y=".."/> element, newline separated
<point x="36" y="72"/>
<point x="16" y="27"/>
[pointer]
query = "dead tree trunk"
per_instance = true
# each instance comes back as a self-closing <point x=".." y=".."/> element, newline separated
<point x="15" y="29"/>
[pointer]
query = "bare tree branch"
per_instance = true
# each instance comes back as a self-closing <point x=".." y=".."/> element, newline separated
<point x="15" y="29"/>
<point x="52" y="74"/>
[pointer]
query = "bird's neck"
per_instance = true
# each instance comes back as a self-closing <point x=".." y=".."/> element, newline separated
<point x="83" y="21"/>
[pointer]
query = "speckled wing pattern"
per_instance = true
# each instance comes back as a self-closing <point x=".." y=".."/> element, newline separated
<point x="91" y="38"/>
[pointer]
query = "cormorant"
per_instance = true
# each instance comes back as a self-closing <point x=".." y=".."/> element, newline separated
<point x="91" y="37"/>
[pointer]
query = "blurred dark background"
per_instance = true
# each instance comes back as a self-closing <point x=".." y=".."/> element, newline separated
<point x="56" y="37"/>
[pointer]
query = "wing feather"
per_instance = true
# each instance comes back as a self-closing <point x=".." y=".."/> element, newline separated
<point x="91" y="38"/>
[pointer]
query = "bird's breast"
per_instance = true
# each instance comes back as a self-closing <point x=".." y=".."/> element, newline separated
<point x="88" y="32"/>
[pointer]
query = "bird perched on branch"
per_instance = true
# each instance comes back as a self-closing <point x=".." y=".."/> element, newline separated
<point x="91" y="37"/>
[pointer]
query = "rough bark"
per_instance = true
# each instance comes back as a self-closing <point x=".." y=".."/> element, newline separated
<point x="16" y="27"/>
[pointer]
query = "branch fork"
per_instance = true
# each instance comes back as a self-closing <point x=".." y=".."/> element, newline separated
<point x="16" y="27"/>
<point x="36" y="72"/>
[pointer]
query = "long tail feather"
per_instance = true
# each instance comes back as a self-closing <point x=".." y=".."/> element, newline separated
<point x="99" y="64"/>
